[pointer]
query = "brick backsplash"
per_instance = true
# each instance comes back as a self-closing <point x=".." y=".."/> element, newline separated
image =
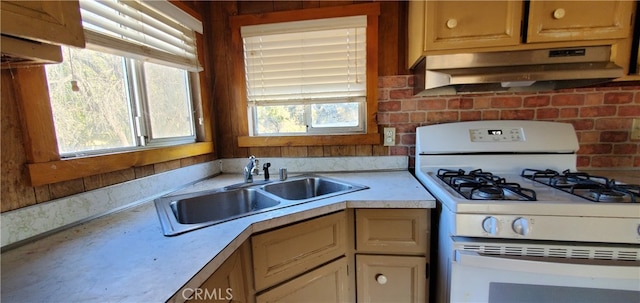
<point x="602" y="116"/>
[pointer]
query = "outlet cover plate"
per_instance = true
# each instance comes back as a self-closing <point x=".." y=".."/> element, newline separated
<point x="389" y="136"/>
<point x="635" y="130"/>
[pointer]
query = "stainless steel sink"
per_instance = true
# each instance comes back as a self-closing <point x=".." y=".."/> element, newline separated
<point x="221" y="205"/>
<point x="306" y="188"/>
<point x="182" y="213"/>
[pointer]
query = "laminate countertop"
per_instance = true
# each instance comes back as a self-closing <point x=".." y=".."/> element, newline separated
<point x="124" y="256"/>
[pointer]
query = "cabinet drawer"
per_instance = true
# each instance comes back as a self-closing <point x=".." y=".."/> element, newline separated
<point x="284" y="253"/>
<point x="404" y="231"/>
<point x="391" y="278"/>
<point x="328" y="283"/>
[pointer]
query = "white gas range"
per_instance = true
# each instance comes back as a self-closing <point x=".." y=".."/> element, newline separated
<point x="510" y="198"/>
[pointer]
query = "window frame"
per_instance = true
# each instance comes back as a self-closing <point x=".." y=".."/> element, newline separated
<point x="44" y="163"/>
<point x="144" y="112"/>
<point x="140" y="114"/>
<point x="372" y="135"/>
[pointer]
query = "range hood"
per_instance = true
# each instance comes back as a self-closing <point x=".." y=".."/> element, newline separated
<point x="515" y="71"/>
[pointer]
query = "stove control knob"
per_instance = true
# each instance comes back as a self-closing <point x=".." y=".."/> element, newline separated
<point x="521" y="226"/>
<point x="490" y="225"/>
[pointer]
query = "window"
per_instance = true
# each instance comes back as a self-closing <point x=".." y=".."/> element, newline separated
<point x="103" y="102"/>
<point x="132" y="86"/>
<point x="306" y="77"/>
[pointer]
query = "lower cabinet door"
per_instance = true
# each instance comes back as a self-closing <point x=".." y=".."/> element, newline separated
<point x="382" y="278"/>
<point x="287" y="252"/>
<point x="230" y="282"/>
<point x="325" y="284"/>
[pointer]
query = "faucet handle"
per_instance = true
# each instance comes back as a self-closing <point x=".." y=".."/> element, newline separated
<point x="265" y="167"/>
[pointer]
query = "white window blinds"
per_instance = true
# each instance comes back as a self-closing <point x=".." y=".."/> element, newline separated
<point x="310" y="60"/>
<point x="139" y="30"/>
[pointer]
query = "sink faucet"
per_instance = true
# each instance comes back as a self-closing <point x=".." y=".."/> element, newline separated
<point x="251" y="169"/>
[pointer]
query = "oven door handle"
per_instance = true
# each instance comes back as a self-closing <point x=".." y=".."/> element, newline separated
<point x="553" y="266"/>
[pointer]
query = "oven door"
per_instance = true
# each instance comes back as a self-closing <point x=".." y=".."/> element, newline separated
<point x="496" y="279"/>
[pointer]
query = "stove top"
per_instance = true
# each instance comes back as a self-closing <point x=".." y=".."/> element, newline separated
<point x="584" y="185"/>
<point x="523" y="205"/>
<point x="472" y="190"/>
<point x="478" y="184"/>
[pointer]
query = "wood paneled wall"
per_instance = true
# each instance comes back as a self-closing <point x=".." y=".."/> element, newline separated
<point x="391" y="49"/>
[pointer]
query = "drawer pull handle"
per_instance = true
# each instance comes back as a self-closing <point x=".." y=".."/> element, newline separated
<point x="559" y="13"/>
<point x="452" y="23"/>
<point x="381" y="279"/>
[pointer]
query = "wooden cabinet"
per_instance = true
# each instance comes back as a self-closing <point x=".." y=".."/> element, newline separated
<point x="288" y="252"/>
<point x="438" y="26"/>
<point x="470" y="24"/>
<point x="383" y="278"/>
<point x="393" y="231"/>
<point x="551" y="21"/>
<point x="231" y="282"/>
<point x="451" y="25"/>
<point x="328" y="283"/>
<point x="55" y="22"/>
<point x="392" y="252"/>
<point x="32" y="30"/>
<point x="310" y="261"/>
<point x="16" y="51"/>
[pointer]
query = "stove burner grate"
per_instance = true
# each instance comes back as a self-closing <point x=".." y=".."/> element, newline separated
<point x="590" y="187"/>
<point x="481" y="185"/>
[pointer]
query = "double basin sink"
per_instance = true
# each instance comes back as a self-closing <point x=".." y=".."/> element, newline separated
<point x="185" y="212"/>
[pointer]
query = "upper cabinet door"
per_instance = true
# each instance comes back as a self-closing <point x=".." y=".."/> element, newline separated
<point x="578" y="20"/>
<point x="470" y="24"/>
<point x="55" y="22"/>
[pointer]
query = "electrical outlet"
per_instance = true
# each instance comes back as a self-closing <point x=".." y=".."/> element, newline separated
<point x="389" y="136"/>
<point x="635" y="129"/>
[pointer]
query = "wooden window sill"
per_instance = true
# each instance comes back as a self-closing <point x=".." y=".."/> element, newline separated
<point x="69" y="169"/>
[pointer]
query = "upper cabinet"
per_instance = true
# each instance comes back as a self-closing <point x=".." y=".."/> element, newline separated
<point x="551" y="21"/>
<point x="437" y="27"/>
<point x="469" y="24"/>
<point x="32" y="30"/>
